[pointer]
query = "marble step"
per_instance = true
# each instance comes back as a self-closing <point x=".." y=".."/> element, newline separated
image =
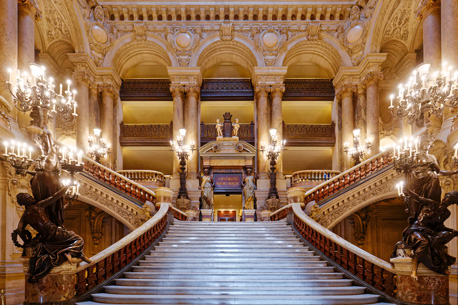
<point x="223" y="239"/>
<point x="219" y="235"/>
<point x="326" y="274"/>
<point x="206" y="246"/>
<point x="275" y="284"/>
<point x="239" y="251"/>
<point x="226" y="299"/>
<point x="229" y="231"/>
<point x="286" y="291"/>
<point x="200" y="265"/>
<point x="229" y="260"/>
<point x="233" y="270"/>
<point x="227" y="254"/>
<point x="226" y="243"/>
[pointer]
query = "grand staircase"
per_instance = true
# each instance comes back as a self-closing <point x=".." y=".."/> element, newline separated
<point x="232" y="263"/>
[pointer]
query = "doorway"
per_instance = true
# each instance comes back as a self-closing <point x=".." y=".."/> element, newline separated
<point x="227" y="207"/>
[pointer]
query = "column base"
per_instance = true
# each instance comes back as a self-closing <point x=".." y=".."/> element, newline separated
<point x="207" y="215"/>
<point x="248" y="215"/>
<point x="429" y="288"/>
<point x="265" y="215"/>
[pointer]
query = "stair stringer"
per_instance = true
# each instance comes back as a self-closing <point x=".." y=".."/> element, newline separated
<point x="375" y="188"/>
<point x="124" y="208"/>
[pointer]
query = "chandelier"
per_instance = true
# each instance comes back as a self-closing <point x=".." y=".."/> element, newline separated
<point x="36" y="93"/>
<point x="98" y="146"/>
<point x="357" y="152"/>
<point x="275" y="148"/>
<point x="425" y="92"/>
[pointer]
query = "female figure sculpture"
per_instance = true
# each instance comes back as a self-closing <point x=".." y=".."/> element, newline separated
<point x="206" y="187"/>
<point x="219" y="129"/>
<point x="249" y="186"/>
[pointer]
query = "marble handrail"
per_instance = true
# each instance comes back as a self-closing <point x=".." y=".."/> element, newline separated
<point x="118" y="181"/>
<point x="312" y="177"/>
<point x="281" y="213"/>
<point x="348" y="177"/>
<point x="371" y="269"/>
<point x="109" y="261"/>
<point x="178" y="214"/>
<point x="144" y="176"/>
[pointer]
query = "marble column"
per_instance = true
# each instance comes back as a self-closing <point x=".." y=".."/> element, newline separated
<point x="83" y="119"/>
<point x="262" y="93"/>
<point x="191" y="124"/>
<point x="360" y="112"/>
<point x="449" y="31"/>
<point x="94" y="107"/>
<point x="337" y="119"/>
<point x="277" y="121"/>
<point x="8" y="44"/>
<point x="347" y="122"/>
<point x="373" y="113"/>
<point x="430" y="13"/>
<point x="177" y="95"/>
<point x="26" y="32"/>
<point x="106" y="118"/>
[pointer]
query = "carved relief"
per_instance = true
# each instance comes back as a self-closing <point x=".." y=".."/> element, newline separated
<point x="183" y="40"/>
<point x="99" y="34"/>
<point x="399" y="24"/>
<point x="226" y="32"/>
<point x="270" y="41"/>
<point x="56" y="28"/>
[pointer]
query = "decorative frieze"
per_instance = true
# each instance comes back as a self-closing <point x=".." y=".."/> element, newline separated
<point x="145" y="90"/>
<point x="146" y="135"/>
<point x="227" y="89"/>
<point x="309" y="135"/>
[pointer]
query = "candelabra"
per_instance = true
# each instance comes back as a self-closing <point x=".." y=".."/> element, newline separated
<point x="430" y="93"/>
<point x="183" y="152"/>
<point x="407" y="154"/>
<point x="98" y="147"/>
<point x="273" y="152"/>
<point x="73" y="190"/>
<point x="36" y="93"/>
<point x="358" y="152"/>
<point x="16" y="155"/>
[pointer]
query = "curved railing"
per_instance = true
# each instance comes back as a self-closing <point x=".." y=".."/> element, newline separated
<point x="311" y="178"/>
<point x="281" y="213"/>
<point x="113" y="259"/>
<point x="122" y="183"/>
<point x="148" y="178"/>
<point x="348" y="177"/>
<point x="178" y="214"/>
<point x="363" y="265"/>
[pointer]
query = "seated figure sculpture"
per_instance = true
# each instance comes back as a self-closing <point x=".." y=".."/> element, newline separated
<point x="53" y="245"/>
<point x="426" y="238"/>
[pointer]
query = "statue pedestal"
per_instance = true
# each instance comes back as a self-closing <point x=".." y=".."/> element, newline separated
<point x="248" y="215"/>
<point x="265" y="215"/>
<point x="430" y="288"/>
<point x="193" y="215"/>
<point x="207" y="215"/>
<point x="58" y="287"/>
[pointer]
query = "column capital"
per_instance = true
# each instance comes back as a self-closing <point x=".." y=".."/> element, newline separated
<point x="270" y="76"/>
<point x="372" y="78"/>
<point x="29" y="7"/>
<point x="427" y="7"/>
<point x="345" y="90"/>
<point x="185" y="76"/>
<point x="107" y="89"/>
<point x="277" y="90"/>
<point x="177" y="90"/>
<point x="192" y="89"/>
<point x="262" y="90"/>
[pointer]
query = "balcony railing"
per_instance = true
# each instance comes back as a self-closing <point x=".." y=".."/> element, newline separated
<point x="146" y="135"/>
<point x="311" y="178"/>
<point x="309" y="135"/>
<point x="147" y="178"/>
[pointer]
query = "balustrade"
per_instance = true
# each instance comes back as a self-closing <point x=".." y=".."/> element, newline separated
<point x="107" y="263"/>
<point x="118" y="181"/>
<point x="147" y="178"/>
<point x="370" y="269"/>
<point x="311" y="178"/>
<point x="349" y="177"/>
<point x="145" y="134"/>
